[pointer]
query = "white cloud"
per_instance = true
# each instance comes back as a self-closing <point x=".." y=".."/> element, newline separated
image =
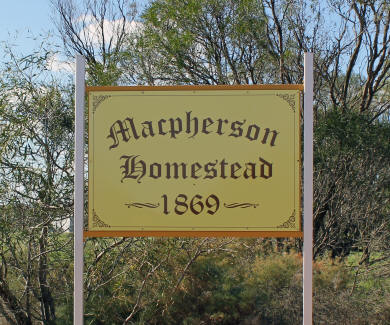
<point x="92" y="34"/>
<point x="87" y="19"/>
<point x="54" y="63"/>
<point x="111" y="29"/>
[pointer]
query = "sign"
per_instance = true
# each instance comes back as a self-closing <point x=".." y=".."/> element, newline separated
<point x="194" y="159"/>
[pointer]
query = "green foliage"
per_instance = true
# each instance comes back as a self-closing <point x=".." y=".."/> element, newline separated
<point x="341" y="132"/>
<point x="352" y="152"/>
<point x="199" y="281"/>
<point x="200" y="42"/>
<point x="104" y="74"/>
<point x="227" y="287"/>
<point x="36" y="188"/>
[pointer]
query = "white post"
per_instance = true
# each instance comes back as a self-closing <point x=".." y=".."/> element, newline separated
<point x="78" y="292"/>
<point x="308" y="192"/>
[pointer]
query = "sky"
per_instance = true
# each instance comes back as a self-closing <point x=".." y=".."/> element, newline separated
<point x="22" y="19"/>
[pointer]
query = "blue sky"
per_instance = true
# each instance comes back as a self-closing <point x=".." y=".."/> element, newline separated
<point x="21" y="19"/>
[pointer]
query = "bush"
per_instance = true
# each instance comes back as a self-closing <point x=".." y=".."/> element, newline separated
<point x="241" y="284"/>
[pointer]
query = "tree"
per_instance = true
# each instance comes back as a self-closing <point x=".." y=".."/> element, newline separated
<point x="97" y="30"/>
<point x="190" y="42"/>
<point x="352" y="181"/>
<point x="249" y="42"/>
<point x="36" y="186"/>
<point x="201" y="42"/>
<point x="356" y="68"/>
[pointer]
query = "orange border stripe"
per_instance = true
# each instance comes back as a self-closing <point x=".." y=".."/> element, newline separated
<point x="203" y="87"/>
<point x="242" y="234"/>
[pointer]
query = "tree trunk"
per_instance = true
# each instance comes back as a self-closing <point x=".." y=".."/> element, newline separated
<point x="47" y="302"/>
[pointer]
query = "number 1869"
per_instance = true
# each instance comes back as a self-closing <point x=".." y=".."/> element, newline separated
<point x="196" y="204"/>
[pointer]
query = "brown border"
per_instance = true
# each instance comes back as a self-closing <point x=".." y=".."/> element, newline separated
<point x="300" y="171"/>
<point x="238" y="234"/>
<point x="241" y="234"/>
<point x="201" y="87"/>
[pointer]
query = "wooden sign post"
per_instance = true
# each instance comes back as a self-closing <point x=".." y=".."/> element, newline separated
<point x="78" y="292"/>
<point x="308" y="192"/>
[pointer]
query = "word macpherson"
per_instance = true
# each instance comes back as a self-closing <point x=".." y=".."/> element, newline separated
<point x="174" y="127"/>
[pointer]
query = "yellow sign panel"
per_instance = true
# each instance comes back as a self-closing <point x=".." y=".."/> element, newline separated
<point x="194" y="159"/>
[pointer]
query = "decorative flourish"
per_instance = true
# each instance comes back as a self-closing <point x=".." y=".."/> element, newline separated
<point x="142" y="205"/>
<point x="97" y="222"/>
<point x="97" y="100"/>
<point x="241" y="205"/>
<point x="290" y="223"/>
<point x="290" y="99"/>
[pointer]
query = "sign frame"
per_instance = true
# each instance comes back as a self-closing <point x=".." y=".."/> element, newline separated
<point x="207" y="233"/>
